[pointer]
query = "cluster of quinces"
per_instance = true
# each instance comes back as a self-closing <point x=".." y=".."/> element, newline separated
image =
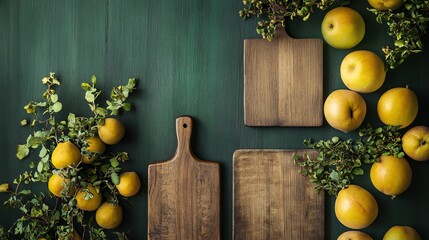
<point x="84" y="177"/>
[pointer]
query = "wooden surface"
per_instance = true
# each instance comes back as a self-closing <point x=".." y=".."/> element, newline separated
<point x="184" y="193"/>
<point x="283" y="81"/>
<point x="272" y="200"/>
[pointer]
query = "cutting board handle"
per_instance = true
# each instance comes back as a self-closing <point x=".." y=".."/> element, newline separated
<point x="280" y="32"/>
<point x="184" y="133"/>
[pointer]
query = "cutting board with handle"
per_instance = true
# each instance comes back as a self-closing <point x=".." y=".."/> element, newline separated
<point x="271" y="200"/>
<point x="283" y="81"/>
<point x="184" y="193"/>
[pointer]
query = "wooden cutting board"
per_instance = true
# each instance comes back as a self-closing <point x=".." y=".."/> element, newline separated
<point x="271" y="200"/>
<point x="283" y="81"/>
<point x="184" y="193"/>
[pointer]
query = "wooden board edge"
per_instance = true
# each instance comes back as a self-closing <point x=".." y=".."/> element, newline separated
<point x="152" y="168"/>
<point x="244" y="150"/>
<point x="237" y="153"/>
<point x="164" y="162"/>
<point x="251" y="122"/>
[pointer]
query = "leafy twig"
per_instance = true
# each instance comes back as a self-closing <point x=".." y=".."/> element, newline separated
<point x="39" y="219"/>
<point x="339" y="161"/>
<point x="278" y="11"/>
<point x="407" y="27"/>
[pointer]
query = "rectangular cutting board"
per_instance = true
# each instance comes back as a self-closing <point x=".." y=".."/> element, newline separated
<point x="283" y="81"/>
<point x="184" y="193"/>
<point x="271" y="200"/>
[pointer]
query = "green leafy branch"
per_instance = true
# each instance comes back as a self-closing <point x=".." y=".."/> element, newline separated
<point x="278" y="11"/>
<point x="407" y="27"/>
<point x="36" y="215"/>
<point x="339" y="161"/>
<point x="74" y="127"/>
<point x="40" y="217"/>
<point x="118" y="97"/>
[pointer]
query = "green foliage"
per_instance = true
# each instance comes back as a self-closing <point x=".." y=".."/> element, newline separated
<point x="37" y="219"/>
<point x="407" y="27"/>
<point x="339" y="161"/>
<point x="279" y="11"/>
<point x="48" y="216"/>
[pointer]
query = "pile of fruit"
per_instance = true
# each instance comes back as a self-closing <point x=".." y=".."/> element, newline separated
<point x="84" y="178"/>
<point x="406" y="20"/>
<point x="364" y="72"/>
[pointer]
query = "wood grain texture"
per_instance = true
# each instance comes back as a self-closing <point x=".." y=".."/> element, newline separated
<point x="271" y="200"/>
<point x="184" y="193"/>
<point x="283" y="81"/>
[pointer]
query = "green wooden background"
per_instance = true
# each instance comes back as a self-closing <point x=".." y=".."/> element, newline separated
<point x="187" y="56"/>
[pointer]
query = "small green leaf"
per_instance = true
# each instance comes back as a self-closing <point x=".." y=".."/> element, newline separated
<point x="399" y="43"/>
<point x="40" y="167"/>
<point x="57" y="107"/>
<point x="36" y="212"/>
<point x="94" y="79"/>
<point x="85" y="86"/>
<point x="56" y="216"/>
<point x="89" y="97"/>
<point x="101" y="111"/>
<point x="97" y="183"/>
<point x="306" y="17"/>
<point x="56" y="82"/>
<point x="93" y="178"/>
<point x="43" y="152"/>
<point x="40" y="104"/>
<point x="114" y="162"/>
<point x="126" y="92"/>
<point x="23" y="151"/>
<point x="24" y="122"/>
<point x="334" y="175"/>
<point x="52" y="121"/>
<point x="35" y="141"/>
<point x="88" y="195"/>
<point x="357" y="171"/>
<point x="115" y="178"/>
<point x="126" y="106"/>
<point x="104" y="168"/>
<point x="71" y="118"/>
<point x="131" y="83"/>
<point x="41" y="134"/>
<point x="122" y="157"/>
<point x="25" y="192"/>
<point x="32" y="165"/>
<point x="54" y="98"/>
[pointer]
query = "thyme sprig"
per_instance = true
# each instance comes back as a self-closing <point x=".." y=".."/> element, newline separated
<point x="278" y="11"/>
<point x="340" y="161"/>
<point x="407" y="27"/>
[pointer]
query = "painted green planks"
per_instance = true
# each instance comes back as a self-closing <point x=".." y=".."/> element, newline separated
<point x="188" y="57"/>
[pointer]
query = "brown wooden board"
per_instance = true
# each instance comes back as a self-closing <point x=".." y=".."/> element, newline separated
<point x="283" y="81"/>
<point x="184" y="193"/>
<point x="271" y="200"/>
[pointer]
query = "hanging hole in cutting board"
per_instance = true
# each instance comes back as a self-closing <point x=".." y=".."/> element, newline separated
<point x="185" y="125"/>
